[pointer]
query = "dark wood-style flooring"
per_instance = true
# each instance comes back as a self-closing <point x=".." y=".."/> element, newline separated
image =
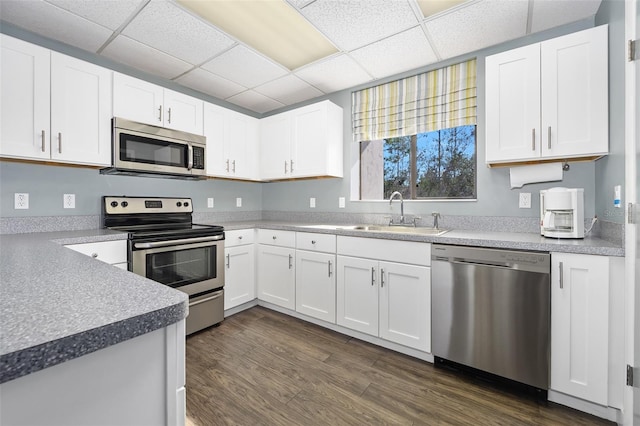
<point x="260" y="367"/>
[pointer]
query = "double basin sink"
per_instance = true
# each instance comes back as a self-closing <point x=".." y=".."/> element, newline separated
<point x="399" y="229"/>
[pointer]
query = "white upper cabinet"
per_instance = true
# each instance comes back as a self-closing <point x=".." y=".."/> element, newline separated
<point x="24" y="102"/>
<point x="304" y="142"/>
<point x="232" y="143"/>
<point x="54" y="107"/>
<point x="80" y="111"/>
<point x="141" y="101"/>
<point x="549" y="100"/>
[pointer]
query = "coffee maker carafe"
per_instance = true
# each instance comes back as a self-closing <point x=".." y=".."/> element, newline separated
<point x="562" y="212"/>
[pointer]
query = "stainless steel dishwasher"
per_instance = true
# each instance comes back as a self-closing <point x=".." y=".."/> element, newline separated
<point x="491" y="311"/>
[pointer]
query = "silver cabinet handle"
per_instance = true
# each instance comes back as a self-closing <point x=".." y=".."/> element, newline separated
<point x="169" y="116"/>
<point x="94" y="255"/>
<point x="533" y="139"/>
<point x="373" y="276"/>
<point x="291" y="166"/>
<point x="233" y="163"/>
<point x="285" y="166"/>
<point x="549" y="138"/>
<point x="59" y="143"/>
<point x="290" y="259"/>
<point x="227" y="169"/>
<point x="43" y="139"/>
<point x="381" y="277"/>
<point x="329" y="269"/>
<point x="160" y="113"/>
<point x="228" y="260"/>
<point x="561" y="276"/>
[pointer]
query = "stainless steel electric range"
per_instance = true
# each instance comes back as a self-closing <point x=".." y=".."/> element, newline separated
<point x="167" y="247"/>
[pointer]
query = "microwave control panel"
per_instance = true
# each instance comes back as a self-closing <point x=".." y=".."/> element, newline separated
<point x="198" y="157"/>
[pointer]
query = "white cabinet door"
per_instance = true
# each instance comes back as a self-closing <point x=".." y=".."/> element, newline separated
<point x="112" y="252"/>
<point x="24" y="101"/>
<point x="513" y="104"/>
<point x="575" y="94"/>
<point x="239" y="286"/>
<point x="214" y="132"/>
<point x="80" y="111"/>
<point x="183" y="112"/>
<point x="276" y="275"/>
<point x="316" y="142"/>
<point x="357" y="294"/>
<point x="137" y="100"/>
<point x="579" y="326"/>
<point x="316" y="285"/>
<point x="405" y="301"/>
<point x="241" y="145"/>
<point x="275" y="142"/>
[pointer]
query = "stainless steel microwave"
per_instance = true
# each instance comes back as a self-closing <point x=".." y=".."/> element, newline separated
<point x="144" y="149"/>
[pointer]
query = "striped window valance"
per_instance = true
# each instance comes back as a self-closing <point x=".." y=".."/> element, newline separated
<point x="434" y="100"/>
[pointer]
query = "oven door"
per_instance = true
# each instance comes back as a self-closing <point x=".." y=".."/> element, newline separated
<point x="192" y="265"/>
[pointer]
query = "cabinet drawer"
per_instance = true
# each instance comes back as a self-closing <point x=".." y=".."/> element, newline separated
<point x="316" y="242"/>
<point x="239" y="237"/>
<point x="390" y="250"/>
<point x="107" y="251"/>
<point x="277" y="238"/>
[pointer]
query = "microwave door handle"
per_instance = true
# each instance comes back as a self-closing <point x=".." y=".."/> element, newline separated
<point x="190" y="160"/>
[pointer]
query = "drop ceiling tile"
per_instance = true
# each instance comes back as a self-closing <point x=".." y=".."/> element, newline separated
<point x="58" y="24"/>
<point x="245" y="67"/>
<point x="110" y="14"/>
<point x="336" y="73"/>
<point x="288" y="90"/>
<point x="356" y="23"/>
<point x="552" y="13"/>
<point x="211" y="84"/>
<point x="403" y="52"/>
<point x="477" y="26"/>
<point x="165" y="26"/>
<point x="137" y="55"/>
<point x="255" y="101"/>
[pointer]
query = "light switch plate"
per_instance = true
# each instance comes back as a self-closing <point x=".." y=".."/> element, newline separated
<point x="210" y="203"/>
<point x="69" y="201"/>
<point x="525" y="200"/>
<point x="21" y="201"/>
<point x="238" y="202"/>
<point x="341" y="202"/>
<point x="312" y="203"/>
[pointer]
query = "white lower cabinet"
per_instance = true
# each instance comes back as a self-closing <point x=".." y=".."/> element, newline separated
<point x="276" y="268"/>
<point x="385" y="298"/>
<point x="580" y="326"/>
<point x="111" y="252"/>
<point x="316" y="285"/>
<point x="239" y="279"/>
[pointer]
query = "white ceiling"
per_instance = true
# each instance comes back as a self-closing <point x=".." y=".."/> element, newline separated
<point x="374" y="38"/>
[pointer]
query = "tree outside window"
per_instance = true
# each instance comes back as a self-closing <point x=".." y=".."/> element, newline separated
<point x="433" y="165"/>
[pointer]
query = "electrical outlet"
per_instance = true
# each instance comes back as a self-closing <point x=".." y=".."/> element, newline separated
<point x="525" y="200"/>
<point x="69" y="201"/>
<point x="210" y="203"/>
<point x="312" y="203"/>
<point x="238" y="202"/>
<point x="21" y="201"/>
<point x="341" y="202"/>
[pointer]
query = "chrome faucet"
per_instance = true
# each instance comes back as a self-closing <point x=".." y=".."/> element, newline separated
<point x="401" y="207"/>
<point x="436" y="216"/>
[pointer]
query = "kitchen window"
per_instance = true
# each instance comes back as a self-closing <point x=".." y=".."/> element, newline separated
<point x="432" y="165"/>
<point x="417" y="135"/>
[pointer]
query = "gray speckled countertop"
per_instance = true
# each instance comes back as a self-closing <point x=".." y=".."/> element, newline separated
<point x="57" y="304"/>
<point x="505" y="240"/>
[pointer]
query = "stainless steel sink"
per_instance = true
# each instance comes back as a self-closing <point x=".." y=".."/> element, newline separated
<point x="383" y="228"/>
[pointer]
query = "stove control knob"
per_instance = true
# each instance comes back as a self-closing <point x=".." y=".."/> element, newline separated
<point x="124" y="204"/>
<point x="186" y="204"/>
<point x="179" y="204"/>
<point x="114" y="204"/>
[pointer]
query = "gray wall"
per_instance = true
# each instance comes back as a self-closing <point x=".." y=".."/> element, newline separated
<point x="46" y="184"/>
<point x="610" y="170"/>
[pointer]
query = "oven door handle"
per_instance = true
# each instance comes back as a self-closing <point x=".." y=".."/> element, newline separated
<point x="177" y="242"/>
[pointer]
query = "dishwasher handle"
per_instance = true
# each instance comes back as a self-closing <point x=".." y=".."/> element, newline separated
<point x="481" y="262"/>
